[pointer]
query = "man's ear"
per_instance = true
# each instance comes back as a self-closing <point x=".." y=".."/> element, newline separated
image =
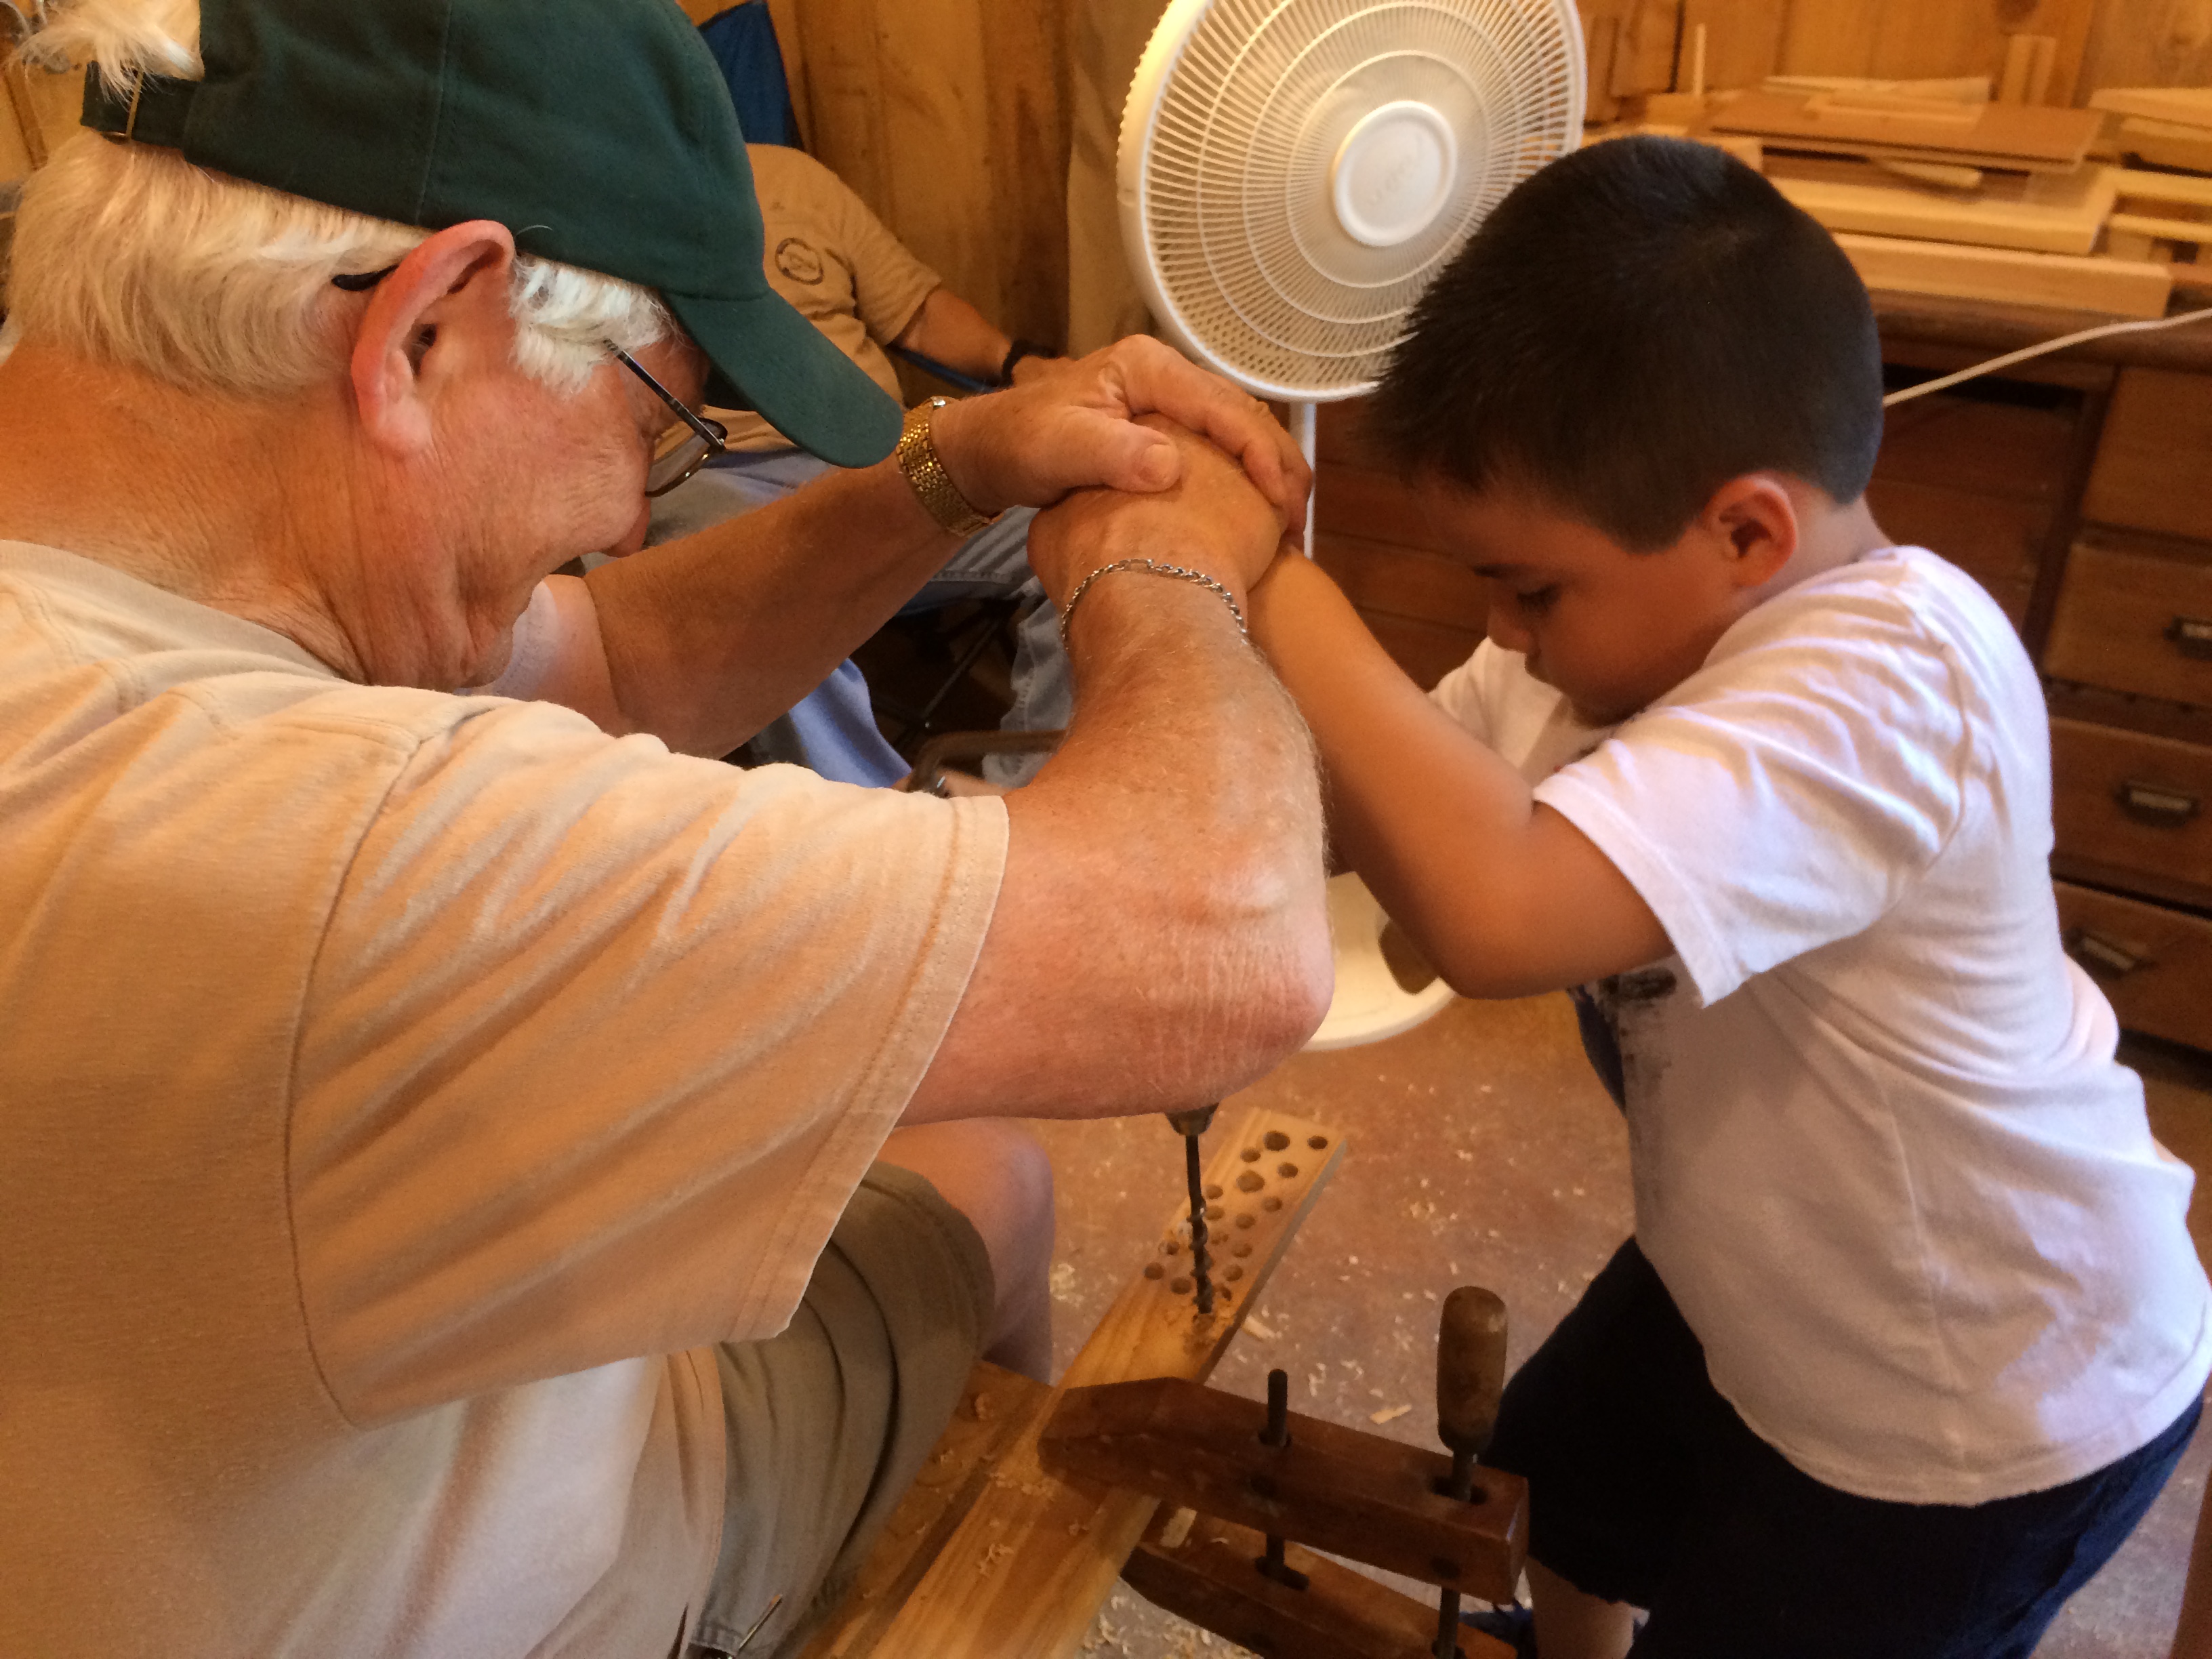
<point x="451" y="288"/>
<point x="1755" y="518"/>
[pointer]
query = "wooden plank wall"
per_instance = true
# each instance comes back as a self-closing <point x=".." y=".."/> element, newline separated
<point x="2150" y="43"/>
<point x="2098" y="42"/>
<point x="1370" y="534"/>
<point x="1645" y="45"/>
<point x="1907" y="40"/>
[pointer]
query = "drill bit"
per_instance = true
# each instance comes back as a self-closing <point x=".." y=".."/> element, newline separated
<point x="1190" y="1126"/>
<point x="1278" y="1434"/>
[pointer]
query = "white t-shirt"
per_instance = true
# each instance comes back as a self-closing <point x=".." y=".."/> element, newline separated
<point x="1884" y="1159"/>
<point x="393" y="1088"/>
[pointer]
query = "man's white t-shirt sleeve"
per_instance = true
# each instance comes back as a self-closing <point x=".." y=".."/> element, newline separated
<point x="1782" y="797"/>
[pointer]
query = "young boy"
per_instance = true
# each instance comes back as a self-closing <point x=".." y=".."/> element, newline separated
<point x="1911" y="1331"/>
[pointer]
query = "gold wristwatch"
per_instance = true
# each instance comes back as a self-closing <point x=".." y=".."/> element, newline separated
<point x="931" y="484"/>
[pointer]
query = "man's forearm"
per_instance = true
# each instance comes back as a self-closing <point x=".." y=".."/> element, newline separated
<point x="709" y="638"/>
<point x="1172" y="847"/>
<point x="702" y="642"/>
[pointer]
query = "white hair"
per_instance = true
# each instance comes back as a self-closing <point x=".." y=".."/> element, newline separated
<point x="129" y="253"/>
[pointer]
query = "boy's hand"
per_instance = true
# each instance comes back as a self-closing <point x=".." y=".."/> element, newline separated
<point x="1213" y="519"/>
<point x="1078" y="427"/>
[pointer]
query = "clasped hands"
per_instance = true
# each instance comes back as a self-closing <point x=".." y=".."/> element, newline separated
<point x="1135" y="453"/>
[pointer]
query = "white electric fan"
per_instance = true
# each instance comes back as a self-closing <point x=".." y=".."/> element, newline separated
<point x="1293" y="174"/>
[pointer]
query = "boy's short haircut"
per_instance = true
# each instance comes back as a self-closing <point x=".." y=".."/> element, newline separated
<point x="1634" y="325"/>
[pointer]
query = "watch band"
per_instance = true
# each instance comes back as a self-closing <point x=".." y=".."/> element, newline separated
<point x="924" y="473"/>
<point x="1016" y="352"/>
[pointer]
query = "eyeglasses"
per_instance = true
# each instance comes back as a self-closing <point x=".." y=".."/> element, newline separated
<point x="681" y="450"/>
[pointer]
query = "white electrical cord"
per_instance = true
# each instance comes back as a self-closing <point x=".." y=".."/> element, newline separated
<point x="2143" y="326"/>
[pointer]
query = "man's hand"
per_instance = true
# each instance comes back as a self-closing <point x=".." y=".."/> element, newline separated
<point x="1212" y="518"/>
<point x="1030" y="444"/>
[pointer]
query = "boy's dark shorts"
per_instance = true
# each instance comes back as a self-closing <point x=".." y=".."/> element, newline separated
<point x="828" y="1422"/>
<point x="1646" y="1487"/>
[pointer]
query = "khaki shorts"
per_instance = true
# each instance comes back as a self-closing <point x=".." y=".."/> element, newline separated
<point x="828" y="1422"/>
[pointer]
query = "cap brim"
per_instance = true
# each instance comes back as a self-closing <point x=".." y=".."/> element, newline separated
<point x="777" y="362"/>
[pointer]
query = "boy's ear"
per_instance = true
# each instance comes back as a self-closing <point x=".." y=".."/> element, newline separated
<point x="447" y="295"/>
<point x="1754" y="518"/>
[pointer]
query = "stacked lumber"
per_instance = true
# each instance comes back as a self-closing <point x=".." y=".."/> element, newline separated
<point x="1969" y="186"/>
<point x="2017" y="137"/>
<point x="2164" y="126"/>
<point x="2165" y="208"/>
<point x="2040" y="212"/>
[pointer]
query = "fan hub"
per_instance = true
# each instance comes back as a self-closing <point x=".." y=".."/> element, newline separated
<point x="1393" y="173"/>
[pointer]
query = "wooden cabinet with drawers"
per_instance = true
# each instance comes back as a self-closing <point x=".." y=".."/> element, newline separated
<point x="2078" y="489"/>
<point x="2104" y="459"/>
<point x="2153" y="469"/>
<point x="2136" y="617"/>
<point x="2129" y="808"/>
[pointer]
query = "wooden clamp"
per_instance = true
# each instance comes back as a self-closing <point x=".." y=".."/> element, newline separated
<point x="1201" y="1568"/>
<point x="1337" y="1489"/>
<point x="991" y="1556"/>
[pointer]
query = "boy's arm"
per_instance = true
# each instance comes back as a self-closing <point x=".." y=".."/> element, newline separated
<point x="1503" y="894"/>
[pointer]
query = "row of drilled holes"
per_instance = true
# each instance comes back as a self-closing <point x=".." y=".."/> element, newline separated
<point x="1248" y="1181"/>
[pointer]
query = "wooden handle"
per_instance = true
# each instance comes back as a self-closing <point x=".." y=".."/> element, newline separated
<point x="2191" y="636"/>
<point x="2103" y="958"/>
<point x="2157" y="804"/>
<point x="1470" y="1368"/>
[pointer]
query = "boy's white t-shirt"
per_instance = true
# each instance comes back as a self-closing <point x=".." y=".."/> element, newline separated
<point x="1884" y="1159"/>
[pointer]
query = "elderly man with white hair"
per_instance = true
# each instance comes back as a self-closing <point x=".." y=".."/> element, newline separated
<point x="476" y="1178"/>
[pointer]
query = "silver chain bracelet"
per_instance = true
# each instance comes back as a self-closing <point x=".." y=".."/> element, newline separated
<point x="1181" y="573"/>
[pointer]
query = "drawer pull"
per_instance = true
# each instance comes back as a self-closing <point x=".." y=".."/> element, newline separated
<point x="2191" y="636"/>
<point x="2157" y="805"/>
<point x="2101" y="958"/>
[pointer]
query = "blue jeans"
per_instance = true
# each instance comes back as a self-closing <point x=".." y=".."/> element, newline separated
<point x="833" y="728"/>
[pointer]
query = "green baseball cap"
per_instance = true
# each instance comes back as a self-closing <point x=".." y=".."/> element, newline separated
<point x="599" y="131"/>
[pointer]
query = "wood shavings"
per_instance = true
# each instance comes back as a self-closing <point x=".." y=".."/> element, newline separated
<point x="1259" y="1329"/>
<point x="1389" y="1415"/>
<point x="1177" y="1528"/>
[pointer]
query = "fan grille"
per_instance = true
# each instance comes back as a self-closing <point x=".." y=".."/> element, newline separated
<point x="1234" y="172"/>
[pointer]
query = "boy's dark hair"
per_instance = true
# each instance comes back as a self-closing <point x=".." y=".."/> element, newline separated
<point x="1634" y="325"/>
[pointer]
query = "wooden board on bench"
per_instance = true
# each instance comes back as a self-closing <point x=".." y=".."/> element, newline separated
<point x="988" y="1557"/>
